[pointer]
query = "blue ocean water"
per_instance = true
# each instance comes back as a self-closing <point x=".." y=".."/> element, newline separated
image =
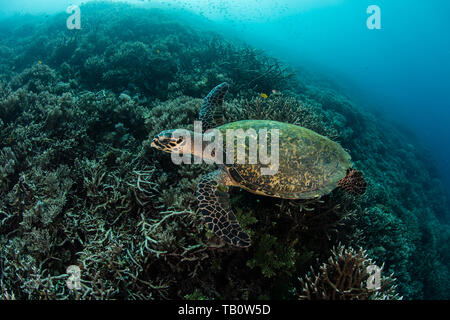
<point x="401" y="71"/>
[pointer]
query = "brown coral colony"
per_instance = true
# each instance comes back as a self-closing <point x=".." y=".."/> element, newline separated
<point x="353" y="182"/>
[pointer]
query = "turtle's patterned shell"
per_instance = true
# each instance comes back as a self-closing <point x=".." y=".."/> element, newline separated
<point x="310" y="165"/>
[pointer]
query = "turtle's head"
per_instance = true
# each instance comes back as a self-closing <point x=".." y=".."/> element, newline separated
<point x="172" y="141"/>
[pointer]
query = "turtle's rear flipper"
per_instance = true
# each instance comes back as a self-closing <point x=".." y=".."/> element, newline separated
<point x="214" y="205"/>
<point x="353" y="182"/>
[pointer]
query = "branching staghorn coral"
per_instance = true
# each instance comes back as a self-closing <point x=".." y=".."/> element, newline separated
<point x="324" y="221"/>
<point x="283" y="108"/>
<point x="8" y="162"/>
<point x="347" y="276"/>
<point x="261" y="73"/>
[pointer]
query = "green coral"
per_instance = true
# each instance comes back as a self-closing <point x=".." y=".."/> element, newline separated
<point x="273" y="257"/>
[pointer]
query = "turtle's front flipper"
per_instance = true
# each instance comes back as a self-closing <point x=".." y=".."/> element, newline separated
<point x="210" y="113"/>
<point x="214" y="205"/>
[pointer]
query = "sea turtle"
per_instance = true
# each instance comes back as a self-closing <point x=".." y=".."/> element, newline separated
<point x="309" y="166"/>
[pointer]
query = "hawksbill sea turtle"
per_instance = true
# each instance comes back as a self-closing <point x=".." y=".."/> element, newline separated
<point x="309" y="166"/>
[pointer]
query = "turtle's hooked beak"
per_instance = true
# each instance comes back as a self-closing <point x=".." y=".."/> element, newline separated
<point x="167" y="141"/>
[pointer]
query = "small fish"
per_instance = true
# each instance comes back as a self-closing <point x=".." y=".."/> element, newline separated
<point x="275" y="92"/>
<point x="39" y="62"/>
<point x="263" y="95"/>
<point x="157" y="51"/>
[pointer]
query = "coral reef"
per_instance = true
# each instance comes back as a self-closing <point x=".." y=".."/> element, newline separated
<point x="353" y="182"/>
<point x="80" y="185"/>
<point x="347" y="276"/>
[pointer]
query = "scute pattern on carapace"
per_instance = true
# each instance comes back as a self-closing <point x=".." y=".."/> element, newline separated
<point x="310" y="165"/>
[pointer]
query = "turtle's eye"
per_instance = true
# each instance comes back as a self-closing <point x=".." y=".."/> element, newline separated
<point x="180" y="140"/>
